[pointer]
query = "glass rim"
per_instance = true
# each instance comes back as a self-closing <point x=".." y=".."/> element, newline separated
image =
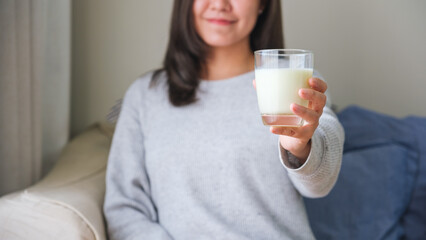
<point x="283" y="52"/>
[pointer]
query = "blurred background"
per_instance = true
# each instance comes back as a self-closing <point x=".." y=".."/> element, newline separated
<point x="64" y="64"/>
<point x="371" y="53"/>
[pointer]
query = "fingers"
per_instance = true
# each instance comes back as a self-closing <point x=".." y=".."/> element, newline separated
<point x="303" y="134"/>
<point x="309" y="115"/>
<point x="316" y="99"/>
<point x="287" y="131"/>
<point x="254" y="84"/>
<point x="318" y="84"/>
<point x="315" y="95"/>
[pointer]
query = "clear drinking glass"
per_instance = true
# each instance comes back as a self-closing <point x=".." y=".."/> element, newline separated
<point x="280" y="73"/>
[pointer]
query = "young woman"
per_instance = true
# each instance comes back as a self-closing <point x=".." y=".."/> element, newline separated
<point x="191" y="159"/>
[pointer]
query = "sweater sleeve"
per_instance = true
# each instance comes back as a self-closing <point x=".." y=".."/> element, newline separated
<point x="317" y="176"/>
<point x="129" y="209"/>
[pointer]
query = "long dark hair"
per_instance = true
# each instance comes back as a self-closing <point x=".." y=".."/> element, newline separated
<point x="186" y="51"/>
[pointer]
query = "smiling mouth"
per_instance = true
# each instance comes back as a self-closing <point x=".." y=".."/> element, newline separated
<point x="222" y="22"/>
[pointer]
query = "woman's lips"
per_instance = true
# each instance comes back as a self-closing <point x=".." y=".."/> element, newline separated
<point x="219" y="21"/>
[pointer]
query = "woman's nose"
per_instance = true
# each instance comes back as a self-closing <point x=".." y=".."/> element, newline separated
<point x="220" y="5"/>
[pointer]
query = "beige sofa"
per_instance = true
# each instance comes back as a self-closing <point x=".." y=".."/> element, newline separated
<point x="67" y="203"/>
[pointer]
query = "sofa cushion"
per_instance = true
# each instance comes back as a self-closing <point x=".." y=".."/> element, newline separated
<point x="376" y="182"/>
<point x="84" y="155"/>
<point x="414" y="219"/>
<point x="69" y="199"/>
<point x="27" y="216"/>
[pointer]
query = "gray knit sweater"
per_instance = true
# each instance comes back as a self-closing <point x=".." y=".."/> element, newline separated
<point x="211" y="170"/>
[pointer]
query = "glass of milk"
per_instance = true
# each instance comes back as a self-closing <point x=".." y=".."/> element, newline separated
<point x="280" y="73"/>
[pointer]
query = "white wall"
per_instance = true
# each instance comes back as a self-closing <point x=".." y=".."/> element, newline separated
<point x="372" y="53"/>
<point x="52" y="51"/>
<point x="114" y="42"/>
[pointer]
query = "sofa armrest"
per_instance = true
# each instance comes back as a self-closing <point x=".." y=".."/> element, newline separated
<point x="67" y="203"/>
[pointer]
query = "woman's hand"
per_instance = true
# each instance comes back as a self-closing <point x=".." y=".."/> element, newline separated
<point x="297" y="140"/>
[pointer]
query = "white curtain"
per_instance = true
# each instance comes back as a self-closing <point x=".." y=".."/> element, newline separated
<point x="34" y="88"/>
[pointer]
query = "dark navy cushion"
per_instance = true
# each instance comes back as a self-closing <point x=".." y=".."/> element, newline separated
<point x="414" y="219"/>
<point x="375" y="188"/>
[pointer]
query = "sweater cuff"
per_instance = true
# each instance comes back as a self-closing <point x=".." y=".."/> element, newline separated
<point x="292" y="164"/>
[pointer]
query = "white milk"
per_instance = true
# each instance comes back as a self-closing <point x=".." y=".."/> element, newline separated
<point x="278" y="88"/>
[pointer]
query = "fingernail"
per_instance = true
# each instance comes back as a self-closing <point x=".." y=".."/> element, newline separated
<point x="295" y="107"/>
